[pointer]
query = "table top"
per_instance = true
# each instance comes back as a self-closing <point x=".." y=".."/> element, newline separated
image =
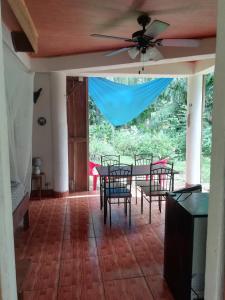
<point x="195" y="204"/>
<point x="141" y="170"/>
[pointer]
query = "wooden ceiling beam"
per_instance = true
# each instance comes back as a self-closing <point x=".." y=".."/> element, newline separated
<point x="23" y="16"/>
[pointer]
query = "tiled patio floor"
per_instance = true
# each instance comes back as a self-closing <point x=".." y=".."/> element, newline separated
<point x="74" y="256"/>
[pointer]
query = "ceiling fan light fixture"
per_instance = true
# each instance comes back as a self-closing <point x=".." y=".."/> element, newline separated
<point x="155" y="54"/>
<point x="133" y="52"/>
<point x="144" y="57"/>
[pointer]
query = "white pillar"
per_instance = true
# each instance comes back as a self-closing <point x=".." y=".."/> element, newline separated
<point x="7" y="256"/>
<point x="194" y="128"/>
<point x="59" y="132"/>
<point x="214" y="286"/>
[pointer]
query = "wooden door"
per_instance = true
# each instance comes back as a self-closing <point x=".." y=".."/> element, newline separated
<point x="77" y="116"/>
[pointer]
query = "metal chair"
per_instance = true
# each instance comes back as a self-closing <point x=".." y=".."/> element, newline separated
<point x="142" y="159"/>
<point x="107" y="160"/>
<point x="119" y="187"/>
<point x="161" y="182"/>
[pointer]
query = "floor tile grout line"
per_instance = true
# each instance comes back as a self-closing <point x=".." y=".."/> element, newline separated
<point x="122" y="277"/>
<point x="32" y="232"/>
<point x="95" y="225"/>
<point x="60" y="260"/>
<point x="149" y="288"/>
<point x="42" y="207"/>
<point x="102" y="282"/>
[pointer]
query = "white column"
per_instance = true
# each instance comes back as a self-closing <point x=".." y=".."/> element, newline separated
<point x="59" y="132"/>
<point x="194" y="128"/>
<point x="216" y="225"/>
<point x="7" y="256"/>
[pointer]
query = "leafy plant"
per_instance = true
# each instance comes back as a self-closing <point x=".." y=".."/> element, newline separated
<point x="160" y="129"/>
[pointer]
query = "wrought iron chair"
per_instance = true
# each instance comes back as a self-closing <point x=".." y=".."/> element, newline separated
<point x="119" y="187"/>
<point x="107" y="160"/>
<point x="161" y="182"/>
<point x="142" y="159"/>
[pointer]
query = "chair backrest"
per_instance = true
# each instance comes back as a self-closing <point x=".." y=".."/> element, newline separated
<point x="120" y="178"/>
<point x="108" y="160"/>
<point x="143" y="159"/>
<point x="91" y="168"/>
<point x="161" y="178"/>
<point x="160" y="161"/>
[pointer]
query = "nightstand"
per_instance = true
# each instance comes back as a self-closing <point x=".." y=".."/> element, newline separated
<point x="37" y="181"/>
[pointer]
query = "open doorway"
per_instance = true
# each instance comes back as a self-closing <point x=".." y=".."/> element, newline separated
<point x="160" y="129"/>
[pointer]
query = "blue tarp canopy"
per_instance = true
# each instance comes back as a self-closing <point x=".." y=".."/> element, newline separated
<point x="120" y="103"/>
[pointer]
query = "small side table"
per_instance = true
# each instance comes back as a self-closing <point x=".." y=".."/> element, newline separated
<point x="38" y="179"/>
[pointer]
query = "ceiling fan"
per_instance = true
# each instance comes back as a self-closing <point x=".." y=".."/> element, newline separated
<point x="145" y="41"/>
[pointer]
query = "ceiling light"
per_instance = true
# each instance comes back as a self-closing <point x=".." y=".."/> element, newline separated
<point x="133" y="52"/>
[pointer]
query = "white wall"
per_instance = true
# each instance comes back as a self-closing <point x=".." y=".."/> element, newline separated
<point x="7" y="258"/>
<point x="42" y="135"/>
<point x="59" y="132"/>
<point x="194" y="129"/>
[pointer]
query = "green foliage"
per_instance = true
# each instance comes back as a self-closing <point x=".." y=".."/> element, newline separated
<point x="98" y="148"/>
<point x="160" y="129"/>
<point x="207" y="116"/>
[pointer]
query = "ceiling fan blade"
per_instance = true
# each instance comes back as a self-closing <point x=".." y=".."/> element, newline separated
<point x="155" y="28"/>
<point x="117" y="52"/>
<point x="111" y="37"/>
<point x="133" y="52"/>
<point x="179" y="42"/>
<point x="175" y="10"/>
<point x="132" y="12"/>
<point x="152" y="53"/>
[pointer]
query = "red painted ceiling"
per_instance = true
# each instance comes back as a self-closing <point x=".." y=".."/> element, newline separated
<point x="64" y="27"/>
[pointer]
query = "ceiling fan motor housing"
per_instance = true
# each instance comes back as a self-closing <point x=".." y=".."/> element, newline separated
<point x="143" y="20"/>
<point x="141" y="39"/>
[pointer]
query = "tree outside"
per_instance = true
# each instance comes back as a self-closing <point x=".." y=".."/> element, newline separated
<point x="160" y="129"/>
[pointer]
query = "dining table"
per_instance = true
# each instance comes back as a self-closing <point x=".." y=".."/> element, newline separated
<point x="137" y="171"/>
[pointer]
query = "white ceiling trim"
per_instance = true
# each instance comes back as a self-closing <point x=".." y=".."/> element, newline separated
<point x="98" y="61"/>
<point x="179" y="69"/>
<point x="205" y="66"/>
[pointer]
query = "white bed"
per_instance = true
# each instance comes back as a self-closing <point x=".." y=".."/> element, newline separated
<point x="20" y="204"/>
<point x="18" y="192"/>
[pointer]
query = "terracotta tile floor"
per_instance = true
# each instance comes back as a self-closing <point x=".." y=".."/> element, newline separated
<point x="74" y="256"/>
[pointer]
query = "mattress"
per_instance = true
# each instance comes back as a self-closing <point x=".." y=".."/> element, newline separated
<point x="18" y="192"/>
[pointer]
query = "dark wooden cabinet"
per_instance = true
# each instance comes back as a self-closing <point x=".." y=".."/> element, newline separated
<point x="185" y="244"/>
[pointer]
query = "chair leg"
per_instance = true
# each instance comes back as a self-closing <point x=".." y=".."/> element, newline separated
<point x="110" y="217"/>
<point x="136" y="192"/>
<point x="142" y="202"/>
<point x="105" y="210"/>
<point x="130" y="213"/>
<point x="101" y="194"/>
<point x="26" y="220"/>
<point x="95" y="177"/>
<point x="100" y="198"/>
<point x="150" y="211"/>
<point x="125" y="206"/>
<point x="160" y="203"/>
